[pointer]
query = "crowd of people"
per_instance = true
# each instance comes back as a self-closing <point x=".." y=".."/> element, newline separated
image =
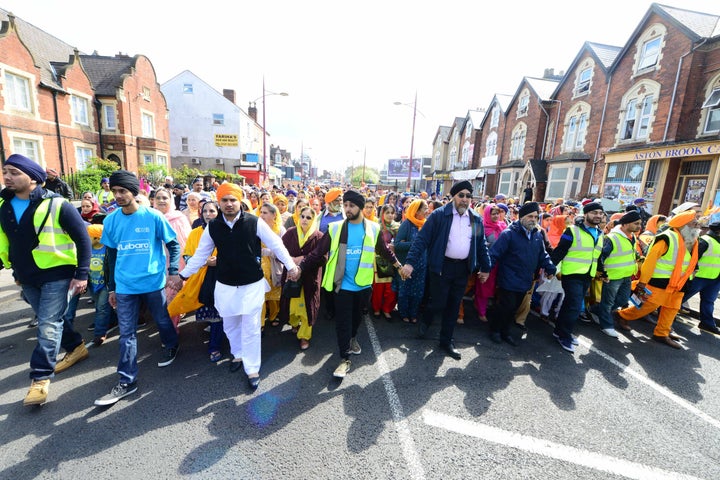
<point x="245" y="259"/>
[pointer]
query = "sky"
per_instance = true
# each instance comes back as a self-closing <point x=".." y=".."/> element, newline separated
<point x="343" y="64"/>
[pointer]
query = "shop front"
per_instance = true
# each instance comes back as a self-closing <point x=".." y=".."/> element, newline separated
<point x="665" y="176"/>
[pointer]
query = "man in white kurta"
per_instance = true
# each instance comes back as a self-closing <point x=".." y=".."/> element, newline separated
<point x="240" y="288"/>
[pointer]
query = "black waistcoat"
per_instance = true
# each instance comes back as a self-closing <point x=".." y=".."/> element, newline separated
<point x="238" y="250"/>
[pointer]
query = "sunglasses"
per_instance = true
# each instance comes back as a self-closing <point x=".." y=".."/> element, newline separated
<point x="464" y="195"/>
<point x="306" y="217"/>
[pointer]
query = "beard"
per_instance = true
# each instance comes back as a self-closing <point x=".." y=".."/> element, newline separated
<point x="690" y="236"/>
<point x="352" y="216"/>
<point x="528" y="224"/>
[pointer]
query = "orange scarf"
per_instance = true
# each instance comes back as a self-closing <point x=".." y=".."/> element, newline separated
<point x="411" y="213"/>
<point x="678" y="278"/>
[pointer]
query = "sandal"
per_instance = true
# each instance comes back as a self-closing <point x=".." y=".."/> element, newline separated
<point x="215" y="355"/>
<point x="406" y="320"/>
<point x="294" y="329"/>
<point x="387" y="316"/>
<point x="414" y="320"/>
<point x="275" y="323"/>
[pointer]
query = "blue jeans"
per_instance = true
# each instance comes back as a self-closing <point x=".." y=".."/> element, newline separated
<point x="708" y="289"/>
<point x="104" y="313"/>
<point x="575" y="287"/>
<point x="615" y="294"/>
<point x="49" y="301"/>
<point x="128" y="310"/>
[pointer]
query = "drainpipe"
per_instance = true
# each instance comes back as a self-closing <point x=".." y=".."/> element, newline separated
<point x="98" y="107"/>
<point x="675" y="87"/>
<point x="2" y="148"/>
<point x="602" y="124"/>
<point x="57" y="131"/>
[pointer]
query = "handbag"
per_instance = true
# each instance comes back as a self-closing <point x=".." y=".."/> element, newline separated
<point x="383" y="268"/>
<point x="291" y="289"/>
<point x="206" y="296"/>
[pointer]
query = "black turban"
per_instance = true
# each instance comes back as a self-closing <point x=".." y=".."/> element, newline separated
<point x="460" y="186"/>
<point x="355" y="197"/>
<point x="126" y="180"/>
<point x="529" y="207"/>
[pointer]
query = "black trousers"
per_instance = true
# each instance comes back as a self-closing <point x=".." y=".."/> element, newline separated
<point x="348" y="316"/>
<point x="506" y="306"/>
<point x="446" y="293"/>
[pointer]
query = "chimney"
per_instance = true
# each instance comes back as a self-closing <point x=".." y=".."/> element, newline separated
<point x="229" y="94"/>
<point x="252" y="111"/>
<point x="549" y="73"/>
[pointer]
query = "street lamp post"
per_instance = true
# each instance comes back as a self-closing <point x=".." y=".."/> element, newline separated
<point x="266" y="94"/>
<point x="412" y="142"/>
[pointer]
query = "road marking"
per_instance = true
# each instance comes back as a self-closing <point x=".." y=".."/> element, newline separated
<point x="655" y="386"/>
<point x="585" y="458"/>
<point x="415" y="468"/>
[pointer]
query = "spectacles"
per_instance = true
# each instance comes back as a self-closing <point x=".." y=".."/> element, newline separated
<point x="463" y="195"/>
<point x="308" y="217"/>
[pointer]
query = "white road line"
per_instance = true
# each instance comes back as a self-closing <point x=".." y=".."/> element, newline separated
<point x="657" y="387"/>
<point x="585" y="458"/>
<point x="415" y="468"/>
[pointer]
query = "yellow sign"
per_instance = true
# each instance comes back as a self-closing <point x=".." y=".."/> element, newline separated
<point x="671" y="151"/>
<point x="226" y="140"/>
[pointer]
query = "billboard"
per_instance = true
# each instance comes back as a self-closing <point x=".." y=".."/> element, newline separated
<point x="226" y="140"/>
<point x="398" y="168"/>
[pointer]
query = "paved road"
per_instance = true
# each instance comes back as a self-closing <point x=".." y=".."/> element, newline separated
<point x="616" y="409"/>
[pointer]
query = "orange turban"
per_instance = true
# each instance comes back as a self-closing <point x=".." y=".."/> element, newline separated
<point x="682" y="219"/>
<point x="230" y="189"/>
<point x="423" y="195"/>
<point x="280" y="197"/>
<point x="95" y="230"/>
<point x="332" y="194"/>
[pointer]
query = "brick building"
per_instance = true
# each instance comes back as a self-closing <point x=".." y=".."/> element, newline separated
<point x="61" y="108"/>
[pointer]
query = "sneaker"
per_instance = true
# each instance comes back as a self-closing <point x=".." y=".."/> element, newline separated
<point x="585" y="317"/>
<point x="354" y="347"/>
<point x="33" y="323"/>
<point x="709" y="328"/>
<point x="574" y="339"/>
<point x="121" y="390"/>
<point x="37" y="395"/>
<point x="71" y="358"/>
<point x="169" y="357"/>
<point x="342" y="369"/>
<point x="566" y="344"/>
<point x="610" y="332"/>
<point x="95" y="342"/>
<point x="91" y="327"/>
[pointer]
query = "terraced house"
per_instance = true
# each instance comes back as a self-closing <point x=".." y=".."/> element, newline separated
<point x="61" y="108"/>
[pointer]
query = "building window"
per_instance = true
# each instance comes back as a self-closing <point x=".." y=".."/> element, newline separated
<point x="437" y="165"/>
<point x="162" y="160"/>
<point x="146" y="94"/>
<point x="583" y="83"/>
<point x="505" y="180"/>
<point x="453" y="157"/>
<point x="147" y="159"/>
<point x="712" y="123"/>
<point x="575" y="135"/>
<point x="495" y="118"/>
<point x="184" y="147"/>
<point x="523" y="105"/>
<point x="637" y="118"/>
<point x="649" y="53"/>
<point x="187" y="88"/>
<point x="28" y="148"/>
<point x="79" y="110"/>
<point x="110" y="118"/>
<point x="148" y="125"/>
<point x="218" y="119"/>
<point x="468" y="129"/>
<point x="564" y="182"/>
<point x="82" y="157"/>
<point x="491" y="145"/>
<point x="18" y="92"/>
<point x="517" y="146"/>
<point x="465" y="161"/>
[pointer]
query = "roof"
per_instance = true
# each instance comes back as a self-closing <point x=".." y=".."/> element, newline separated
<point x="544" y="88"/>
<point x="503" y="101"/>
<point x="443" y="132"/>
<point x="476" y="116"/>
<point x="704" y="25"/>
<point x="106" y="73"/>
<point x="45" y="48"/>
<point x="605" y="53"/>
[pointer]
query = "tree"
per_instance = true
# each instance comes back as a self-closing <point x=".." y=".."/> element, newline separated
<point x="88" y="180"/>
<point x="356" y="176"/>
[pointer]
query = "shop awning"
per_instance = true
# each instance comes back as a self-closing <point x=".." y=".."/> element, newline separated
<point x="467" y="174"/>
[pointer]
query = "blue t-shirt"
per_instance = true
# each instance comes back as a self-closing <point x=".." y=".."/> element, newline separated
<point x="356" y="232"/>
<point x="96" y="277"/>
<point x="138" y="238"/>
<point x="19" y="207"/>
